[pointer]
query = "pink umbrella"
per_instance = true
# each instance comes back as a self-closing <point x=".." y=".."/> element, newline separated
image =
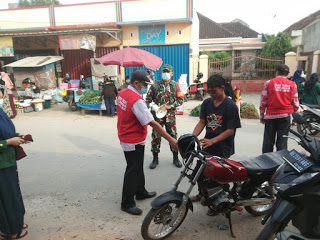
<point x="131" y="57"/>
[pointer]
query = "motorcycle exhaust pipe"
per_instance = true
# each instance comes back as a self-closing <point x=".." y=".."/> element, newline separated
<point x="255" y="202"/>
<point x="315" y="126"/>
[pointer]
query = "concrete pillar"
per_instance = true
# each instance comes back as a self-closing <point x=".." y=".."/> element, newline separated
<point x="204" y="66"/>
<point x="315" y="61"/>
<point x="291" y="62"/>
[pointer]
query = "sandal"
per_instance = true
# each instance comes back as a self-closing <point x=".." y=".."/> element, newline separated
<point x="212" y="213"/>
<point x="19" y="235"/>
<point x="25" y="226"/>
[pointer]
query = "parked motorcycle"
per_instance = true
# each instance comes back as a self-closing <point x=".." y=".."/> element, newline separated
<point x="196" y="88"/>
<point x="69" y="98"/>
<point x="297" y="182"/>
<point x="226" y="186"/>
<point x="311" y="120"/>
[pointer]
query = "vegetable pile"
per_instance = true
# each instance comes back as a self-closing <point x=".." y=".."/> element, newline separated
<point x="248" y="110"/>
<point x="196" y="111"/>
<point x="90" y="97"/>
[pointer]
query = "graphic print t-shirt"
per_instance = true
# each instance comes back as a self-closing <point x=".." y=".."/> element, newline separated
<point x="219" y="119"/>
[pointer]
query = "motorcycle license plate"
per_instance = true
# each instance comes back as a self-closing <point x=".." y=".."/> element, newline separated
<point x="200" y="88"/>
<point x="297" y="161"/>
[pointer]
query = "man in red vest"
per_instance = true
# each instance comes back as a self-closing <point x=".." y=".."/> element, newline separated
<point x="279" y="99"/>
<point x="133" y="120"/>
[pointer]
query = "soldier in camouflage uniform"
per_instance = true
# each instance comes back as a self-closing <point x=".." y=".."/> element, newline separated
<point x="165" y="93"/>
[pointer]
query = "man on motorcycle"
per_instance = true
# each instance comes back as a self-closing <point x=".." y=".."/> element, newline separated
<point x="219" y="115"/>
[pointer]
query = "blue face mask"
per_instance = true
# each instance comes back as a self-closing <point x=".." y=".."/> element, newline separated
<point x="1" y="103"/>
<point x="165" y="76"/>
<point x="143" y="90"/>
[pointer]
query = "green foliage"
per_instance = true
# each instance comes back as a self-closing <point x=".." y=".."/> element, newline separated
<point x="216" y="56"/>
<point x="196" y="111"/>
<point x="37" y="3"/>
<point x="248" y="110"/>
<point x="276" y="46"/>
<point x="90" y="97"/>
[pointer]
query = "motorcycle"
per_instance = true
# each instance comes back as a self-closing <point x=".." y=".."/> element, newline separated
<point x="197" y="88"/>
<point x="69" y="98"/>
<point x="226" y="186"/>
<point x="311" y="115"/>
<point x="297" y="184"/>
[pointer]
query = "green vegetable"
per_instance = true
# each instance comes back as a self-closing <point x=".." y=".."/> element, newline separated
<point x="90" y="97"/>
<point x="196" y="111"/>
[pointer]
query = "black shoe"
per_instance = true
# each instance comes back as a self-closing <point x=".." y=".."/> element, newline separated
<point x="177" y="163"/>
<point x="132" y="210"/>
<point x="146" y="195"/>
<point x="155" y="161"/>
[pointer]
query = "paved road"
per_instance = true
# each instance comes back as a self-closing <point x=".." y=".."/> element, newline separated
<point x="72" y="178"/>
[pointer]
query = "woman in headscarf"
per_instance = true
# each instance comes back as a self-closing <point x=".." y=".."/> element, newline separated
<point x="9" y="86"/>
<point x="6" y="101"/>
<point x="299" y="78"/>
<point x="11" y="203"/>
<point x="312" y="90"/>
<point x="228" y="89"/>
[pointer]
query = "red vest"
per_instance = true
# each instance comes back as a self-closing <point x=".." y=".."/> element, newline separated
<point x="130" y="129"/>
<point x="280" y="92"/>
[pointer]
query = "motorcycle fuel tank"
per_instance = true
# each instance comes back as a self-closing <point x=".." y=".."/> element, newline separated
<point x="225" y="171"/>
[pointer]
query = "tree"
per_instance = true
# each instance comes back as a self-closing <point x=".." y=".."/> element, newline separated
<point x="37" y="3"/>
<point x="276" y="46"/>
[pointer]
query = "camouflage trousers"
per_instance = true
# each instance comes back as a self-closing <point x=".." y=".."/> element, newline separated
<point x="169" y="121"/>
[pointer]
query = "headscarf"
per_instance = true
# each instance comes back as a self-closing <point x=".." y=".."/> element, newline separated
<point x="6" y="107"/>
<point x="297" y="76"/>
<point x="309" y="84"/>
<point x="228" y="89"/>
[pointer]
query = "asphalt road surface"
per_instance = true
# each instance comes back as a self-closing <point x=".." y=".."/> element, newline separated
<point x="72" y="178"/>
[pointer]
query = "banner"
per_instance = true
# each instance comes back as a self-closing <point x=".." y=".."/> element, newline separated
<point x="152" y="34"/>
<point x="81" y="41"/>
<point x="6" y="47"/>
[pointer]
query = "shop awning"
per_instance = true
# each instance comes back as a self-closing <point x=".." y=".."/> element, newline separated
<point x="38" y="61"/>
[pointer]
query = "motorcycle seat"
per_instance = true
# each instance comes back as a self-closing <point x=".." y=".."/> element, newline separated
<point x="263" y="166"/>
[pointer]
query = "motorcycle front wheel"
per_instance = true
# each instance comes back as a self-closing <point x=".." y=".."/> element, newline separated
<point x="158" y="222"/>
<point x="269" y="231"/>
<point x="306" y="128"/>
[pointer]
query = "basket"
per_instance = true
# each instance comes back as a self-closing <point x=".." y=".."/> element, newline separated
<point x="47" y="104"/>
<point x="38" y="107"/>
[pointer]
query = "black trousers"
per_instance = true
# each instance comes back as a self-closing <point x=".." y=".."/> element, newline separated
<point x="134" y="180"/>
<point x="275" y="128"/>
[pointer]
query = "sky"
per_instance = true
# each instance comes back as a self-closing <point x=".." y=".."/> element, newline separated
<point x="268" y="16"/>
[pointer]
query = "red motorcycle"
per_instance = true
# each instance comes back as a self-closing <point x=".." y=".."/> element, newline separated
<point x="226" y="186"/>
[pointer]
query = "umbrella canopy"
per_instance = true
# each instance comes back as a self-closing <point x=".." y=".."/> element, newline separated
<point x="131" y="57"/>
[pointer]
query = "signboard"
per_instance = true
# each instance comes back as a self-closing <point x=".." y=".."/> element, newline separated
<point x="6" y="47"/>
<point x="154" y="34"/>
<point x="81" y="41"/>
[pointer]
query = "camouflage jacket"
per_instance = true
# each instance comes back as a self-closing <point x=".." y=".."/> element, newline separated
<point x="169" y="94"/>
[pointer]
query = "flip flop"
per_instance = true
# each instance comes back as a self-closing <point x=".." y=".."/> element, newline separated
<point x="20" y="236"/>
<point x="25" y="226"/>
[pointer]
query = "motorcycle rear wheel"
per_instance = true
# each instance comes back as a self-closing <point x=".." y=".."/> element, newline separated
<point x="157" y="223"/>
<point x="305" y="128"/>
<point x="260" y="210"/>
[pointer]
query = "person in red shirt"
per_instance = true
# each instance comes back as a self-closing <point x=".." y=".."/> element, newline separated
<point x="133" y="120"/>
<point x="279" y="99"/>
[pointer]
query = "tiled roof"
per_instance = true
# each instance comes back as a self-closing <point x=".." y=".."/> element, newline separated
<point x="303" y="22"/>
<point x="240" y="30"/>
<point x="211" y="29"/>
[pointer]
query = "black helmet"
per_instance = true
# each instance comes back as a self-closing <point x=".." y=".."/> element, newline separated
<point x="200" y="75"/>
<point x="187" y="143"/>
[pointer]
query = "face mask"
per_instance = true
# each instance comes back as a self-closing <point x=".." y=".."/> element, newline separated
<point x="165" y="76"/>
<point x="33" y="87"/>
<point x="127" y="81"/>
<point x="67" y="78"/>
<point x="303" y="75"/>
<point x="1" y="103"/>
<point x="143" y="90"/>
